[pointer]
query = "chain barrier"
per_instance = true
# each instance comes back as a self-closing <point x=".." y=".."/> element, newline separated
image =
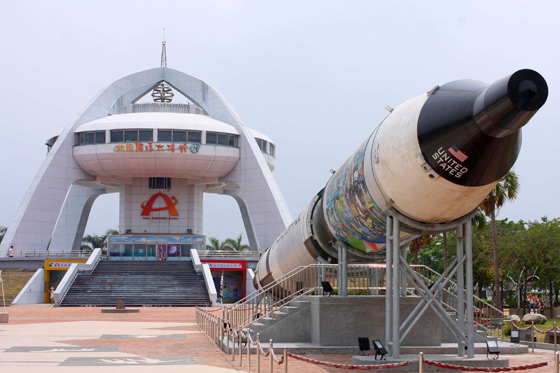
<point x="348" y="366"/>
<point x="554" y="328"/>
<point x="217" y="327"/>
<point x="480" y="369"/>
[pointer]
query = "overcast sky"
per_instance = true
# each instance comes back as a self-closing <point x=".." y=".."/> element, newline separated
<point x="315" y="76"/>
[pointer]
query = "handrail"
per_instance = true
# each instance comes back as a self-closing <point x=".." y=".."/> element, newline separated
<point x="206" y="273"/>
<point x="455" y="285"/>
<point x="484" y="311"/>
<point x="304" y="280"/>
<point x="72" y="273"/>
<point x="361" y="279"/>
<point x="228" y="254"/>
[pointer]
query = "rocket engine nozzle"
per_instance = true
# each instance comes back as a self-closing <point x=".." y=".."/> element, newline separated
<point x="508" y="103"/>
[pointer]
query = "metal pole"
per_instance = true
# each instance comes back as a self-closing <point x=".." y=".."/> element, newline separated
<point x="233" y="345"/>
<point x="388" y="284"/>
<point x="533" y="336"/>
<point x="227" y="339"/>
<point x="556" y="362"/>
<point x="271" y="352"/>
<point x="470" y="291"/>
<point x="258" y="353"/>
<point x="396" y="287"/>
<point x="402" y="279"/>
<point x="248" y="353"/>
<point x="239" y="339"/>
<point x="555" y="329"/>
<point x="460" y="287"/>
<point x="221" y="329"/>
<point x="285" y="360"/>
<point x="421" y="363"/>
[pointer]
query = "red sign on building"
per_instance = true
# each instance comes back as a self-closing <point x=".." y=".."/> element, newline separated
<point x="170" y="203"/>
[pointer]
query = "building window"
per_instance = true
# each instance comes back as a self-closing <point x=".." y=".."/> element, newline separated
<point x="164" y="136"/>
<point x="211" y="138"/>
<point x="131" y="136"/>
<point x="262" y="145"/>
<point x="145" y="135"/>
<point x="224" y="139"/>
<point x="100" y="137"/>
<point x="160" y="183"/>
<point x="195" y="136"/>
<point x="90" y="138"/>
<point x="273" y="150"/>
<point x="179" y="136"/>
<point x="117" y="136"/>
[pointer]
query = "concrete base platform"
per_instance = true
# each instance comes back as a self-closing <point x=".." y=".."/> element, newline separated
<point x="477" y="361"/>
<point x="115" y="310"/>
<point x="443" y="350"/>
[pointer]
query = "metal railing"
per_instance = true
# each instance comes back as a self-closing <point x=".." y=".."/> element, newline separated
<point x="486" y="315"/>
<point x="233" y="341"/>
<point x="72" y="273"/>
<point x="362" y="279"/>
<point x="48" y="254"/>
<point x="228" y="254"/>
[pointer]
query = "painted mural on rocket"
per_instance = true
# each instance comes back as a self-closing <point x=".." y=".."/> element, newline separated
<point x="351" y="212"/>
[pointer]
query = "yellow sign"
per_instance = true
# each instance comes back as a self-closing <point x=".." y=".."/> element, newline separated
<point x="61" y="264"/>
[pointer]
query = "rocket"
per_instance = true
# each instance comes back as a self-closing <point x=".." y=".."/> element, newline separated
<point x="433" y="159"/>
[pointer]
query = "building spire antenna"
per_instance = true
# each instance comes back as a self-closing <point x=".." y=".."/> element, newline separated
<point x="163" y="51"/>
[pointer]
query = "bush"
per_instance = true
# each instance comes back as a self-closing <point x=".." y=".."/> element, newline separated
<point x="507" y="327"/>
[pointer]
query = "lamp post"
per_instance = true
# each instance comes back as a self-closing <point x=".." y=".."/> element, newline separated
<point x="4" y="314"/>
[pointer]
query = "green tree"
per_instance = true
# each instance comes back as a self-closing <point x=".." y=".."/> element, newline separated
<point x="506" y="189"/>
<point x="215" y="244"/>
<point x="2" y="232"/>
<point x="541" y="242"/>
<point x="94" y="241"/>
<point x="235" y="244"/>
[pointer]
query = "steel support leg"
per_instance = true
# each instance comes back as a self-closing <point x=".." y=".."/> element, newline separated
<point x="470" y="290"/>
<point x="402" y="279"/>
<point x="342" y="270"/>
<point x="396" y="288"/>
<point x="460" y="287"/>
<point x="388" y="285"/>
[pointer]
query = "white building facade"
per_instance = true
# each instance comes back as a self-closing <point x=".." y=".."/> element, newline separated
<point x="161" y="157"/>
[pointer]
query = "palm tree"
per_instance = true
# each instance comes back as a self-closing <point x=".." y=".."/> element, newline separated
<point x="235" y="244"/>
<point x="94" y="241"/>
<point x="215" y="244"/>
<point x="505" y="190"/>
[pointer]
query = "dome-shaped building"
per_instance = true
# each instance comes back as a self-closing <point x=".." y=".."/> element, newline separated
<point x="160" y="156"/>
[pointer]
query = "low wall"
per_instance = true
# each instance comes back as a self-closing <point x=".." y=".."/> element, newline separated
<point x="339" y="321"/>
<point x="34" y="291"/>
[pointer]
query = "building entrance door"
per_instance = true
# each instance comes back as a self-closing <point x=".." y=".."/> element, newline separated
<point x="161" y="252"/>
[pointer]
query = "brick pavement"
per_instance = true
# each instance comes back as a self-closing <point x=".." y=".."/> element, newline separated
<point x="161" y="323"/>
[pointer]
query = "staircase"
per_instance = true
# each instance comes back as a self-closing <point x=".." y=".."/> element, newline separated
<point x="138" y="284"/>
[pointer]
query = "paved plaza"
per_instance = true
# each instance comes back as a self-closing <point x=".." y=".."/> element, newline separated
<point x="46" y="339"/>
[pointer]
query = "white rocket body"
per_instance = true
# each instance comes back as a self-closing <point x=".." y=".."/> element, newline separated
<point x="426" y="160"/>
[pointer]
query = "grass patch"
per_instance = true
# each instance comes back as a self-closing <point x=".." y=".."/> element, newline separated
<point x="14" y="280"/>
<point x="546" y="326"/>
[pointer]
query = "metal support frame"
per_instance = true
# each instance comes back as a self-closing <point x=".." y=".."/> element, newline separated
<point x="399" y="273"/>
<point x="342" y="269"/>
